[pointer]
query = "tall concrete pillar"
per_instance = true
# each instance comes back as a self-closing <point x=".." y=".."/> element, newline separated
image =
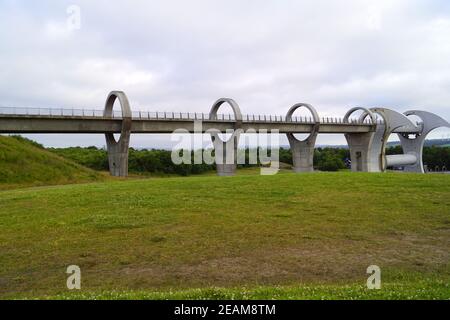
<point x="118" y="150"/>
<point x="303" y="150"/>
<point x="365" y="148"/>
<point x="226" y="151"/>
<point x="413" y="144"/>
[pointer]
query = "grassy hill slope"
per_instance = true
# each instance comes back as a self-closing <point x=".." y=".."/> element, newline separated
<point x="286" y="236"/>
<point x="25" y="163"/>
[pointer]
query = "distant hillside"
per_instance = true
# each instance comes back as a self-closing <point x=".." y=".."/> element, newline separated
<point x="26" y="163"/>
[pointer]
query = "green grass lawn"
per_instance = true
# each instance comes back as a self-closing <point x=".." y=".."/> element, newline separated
<point x="249" y="236"/>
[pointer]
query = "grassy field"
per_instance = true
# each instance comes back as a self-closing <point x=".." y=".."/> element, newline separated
<point x="24" y="163"/>
<point x="283" y="236"/>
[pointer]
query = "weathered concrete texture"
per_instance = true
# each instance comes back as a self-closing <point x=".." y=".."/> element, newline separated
<point x="118" y="150"/>
<point x="414" y="146"/>
<point x="226" y="151"/>
<point x="393" y="121"/>
<point x="226" y="155"/>
<point x="396" y="160"/>
<point x="360" y="146"/>
<point x="368" y="150"/>
<point x="52" y="124"/>
<point x="365" y="152"/>
<point x="302" y="154"/>
<point x="303" y="151"/>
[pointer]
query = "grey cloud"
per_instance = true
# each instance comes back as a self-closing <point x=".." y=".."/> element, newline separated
<point x="268" y="55"/>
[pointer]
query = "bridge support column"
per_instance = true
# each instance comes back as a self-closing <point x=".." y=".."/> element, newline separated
<point x="303" y="151"/>
<point x="226" y="154"/>
<point x="118" y="150"/>
<point x="302" y="154"/>
<point x="226" y="151"/>
<point x="365" y="148"/>
<point x="361" y="152"/>
<point x="414" y="146"/>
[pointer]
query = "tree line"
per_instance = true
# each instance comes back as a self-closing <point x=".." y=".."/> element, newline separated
<point x="160" y="161"/>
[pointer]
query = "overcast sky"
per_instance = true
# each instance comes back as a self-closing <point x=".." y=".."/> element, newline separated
<point x="267" y="55"/>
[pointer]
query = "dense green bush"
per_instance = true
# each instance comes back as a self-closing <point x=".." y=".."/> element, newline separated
<point x="90" y="157"/>
<point x="160" y="162"/>
<point x="139" y="161"/>
<point x="285" y="156"/>
<point x="437" y="157"/>
<point x="332" y="163"/>
<point x="330" y="159"/>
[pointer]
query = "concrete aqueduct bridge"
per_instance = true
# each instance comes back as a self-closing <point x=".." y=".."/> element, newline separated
<point x="366" y="135"/>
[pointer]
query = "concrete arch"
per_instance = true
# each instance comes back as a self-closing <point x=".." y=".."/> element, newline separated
<point x="237" y="116"/>
<point x="395" y="121"/>
<point x="126" y="114"/>
<point x="296" y="106"/>
<point x="303" y="150"/>
<point x="226" y="151"/>
<point x="415" y="146"/>
<point x="118" y="150"/>
<point x="366" y="112"/>
<point x="234" y="106"/>
<point x="430" y="120"/>
<point x="315" y="117"/>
